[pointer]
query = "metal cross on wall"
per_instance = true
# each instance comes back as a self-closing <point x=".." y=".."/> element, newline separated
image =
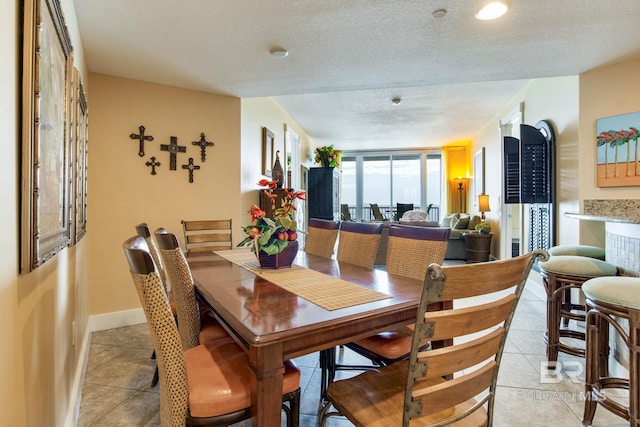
<point x="153" y="165"/>
<point x="203" y="144"/>
<point x="142" y="137"/>
<point x="173" y="149"/>
<point x="191" y="167"/>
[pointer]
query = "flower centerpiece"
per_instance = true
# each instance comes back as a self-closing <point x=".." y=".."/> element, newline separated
<point x="327" y="156"/>
<point x="274" y="240"/>
<point x="483" y="228"/>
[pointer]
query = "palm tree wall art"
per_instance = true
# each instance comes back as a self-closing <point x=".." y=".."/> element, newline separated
<point x="617" y="150"/>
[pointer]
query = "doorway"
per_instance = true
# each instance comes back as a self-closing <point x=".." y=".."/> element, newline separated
<point x="511" y="230"/>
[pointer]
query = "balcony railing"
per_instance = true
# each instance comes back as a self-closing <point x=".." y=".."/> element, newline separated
<point x="389" y="212"/>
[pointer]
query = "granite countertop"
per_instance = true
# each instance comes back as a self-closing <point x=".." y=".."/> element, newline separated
<point x="626" y="211"/>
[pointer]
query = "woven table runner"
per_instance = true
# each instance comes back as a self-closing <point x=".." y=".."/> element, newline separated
<point x="321" y="289"/>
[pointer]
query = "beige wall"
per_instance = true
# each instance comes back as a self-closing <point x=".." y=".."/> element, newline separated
<point x="122" y="191"/>
<point x="38" y="360"/>
<point x="606" y="91"/>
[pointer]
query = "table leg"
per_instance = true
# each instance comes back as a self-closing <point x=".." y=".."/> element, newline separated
<point x="266" y="403"/>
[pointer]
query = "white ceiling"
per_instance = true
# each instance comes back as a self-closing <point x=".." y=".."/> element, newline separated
<point x="349" y="58"/>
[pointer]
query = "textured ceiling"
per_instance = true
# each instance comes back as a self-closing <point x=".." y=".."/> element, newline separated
<point x="348" y="58"/>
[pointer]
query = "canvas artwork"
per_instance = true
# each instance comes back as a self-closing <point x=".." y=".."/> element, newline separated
<point x="617" y="150"/>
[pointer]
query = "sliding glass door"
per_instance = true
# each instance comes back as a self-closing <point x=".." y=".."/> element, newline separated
<point x="390" y="178"/>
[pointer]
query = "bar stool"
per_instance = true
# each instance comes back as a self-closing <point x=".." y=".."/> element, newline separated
<point x="608" y="298"/>
<point x="579" y="250"/>
<point x="559" y="275"/>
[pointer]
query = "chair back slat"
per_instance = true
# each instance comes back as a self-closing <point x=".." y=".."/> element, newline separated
<point x="464" y="321"/>
<point x="321" y="237"/>
<point x="447" y="394"/>
<point x="447" y="360"/>
<point x="358" y="243"/>
<point x="207" y="235"/>
<point x="184" y="294"/>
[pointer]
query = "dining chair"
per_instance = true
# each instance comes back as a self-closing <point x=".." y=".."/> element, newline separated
<point x="401" y="208"/>
<point x="196" y="326"/>
<point x="207" y="235"/>
<point x="442" y="386"/>
<point x="375" y="211"/>
<point x="358" y="243"/>
<point x="321" y="237"/>
<point x="208" y="384"/>
<point x="410" y="251"/>
<point x="144" y="231"/>
<point x="345" y="213"/>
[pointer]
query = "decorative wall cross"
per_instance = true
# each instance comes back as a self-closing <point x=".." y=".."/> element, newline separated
<point x="153" y="165"/>
<point x="142" y="137"/>
<point x="203" y="144"/>
<point x="173" y="149"/>
<point x="191" y="168"/>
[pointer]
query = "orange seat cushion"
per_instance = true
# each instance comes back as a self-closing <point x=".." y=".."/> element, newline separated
<point x="218" y="379"/>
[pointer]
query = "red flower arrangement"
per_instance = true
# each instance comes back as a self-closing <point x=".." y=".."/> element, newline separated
<point x="273" y="235"/>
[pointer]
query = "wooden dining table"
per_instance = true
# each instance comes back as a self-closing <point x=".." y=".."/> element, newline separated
<point x="273" y="324"/>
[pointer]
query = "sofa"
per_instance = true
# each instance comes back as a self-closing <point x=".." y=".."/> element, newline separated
<point x="459" y="223"/>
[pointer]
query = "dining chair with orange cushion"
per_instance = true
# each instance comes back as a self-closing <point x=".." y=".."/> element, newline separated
<point x="195" y="326"/>
<point x="410" y="251"/>
<point x="207" y="384"/>
<point x="321" y="237"/>
<point x="358" y="243"/>
<point x="455" y="384"/>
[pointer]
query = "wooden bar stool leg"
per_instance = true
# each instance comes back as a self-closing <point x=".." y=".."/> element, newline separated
<point x="553" y="322"/>
<point x="591" y="369"/>
<point x="634" y="368"/>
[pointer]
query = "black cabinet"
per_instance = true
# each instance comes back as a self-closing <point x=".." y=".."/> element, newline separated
<point x="323" y="196"/>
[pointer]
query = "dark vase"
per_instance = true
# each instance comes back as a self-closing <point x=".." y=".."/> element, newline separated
<point x="283" y="259"/>
<point x="277" y="173"/>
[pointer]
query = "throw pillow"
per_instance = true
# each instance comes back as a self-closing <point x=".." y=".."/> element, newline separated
<point x="462" y="223"/>
<point x="448" y="219"/>
<point x="475" y="220"/>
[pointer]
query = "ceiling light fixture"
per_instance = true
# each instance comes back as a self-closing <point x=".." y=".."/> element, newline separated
<point x="278" y="52"/>
<point x="492" y="10"/>
<point x="396" y="100"/>
<point x="439" y="13"/>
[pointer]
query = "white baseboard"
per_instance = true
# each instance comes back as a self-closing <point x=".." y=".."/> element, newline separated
<point x="98" y="322"/>
<point x="116" y="319"/>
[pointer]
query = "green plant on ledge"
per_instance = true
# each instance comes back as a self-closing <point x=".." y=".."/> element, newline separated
<point x="483" y="228"/>
<point x="327" y="157"/>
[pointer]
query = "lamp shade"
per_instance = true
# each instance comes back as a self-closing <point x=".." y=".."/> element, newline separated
<point x="483" y="203"/>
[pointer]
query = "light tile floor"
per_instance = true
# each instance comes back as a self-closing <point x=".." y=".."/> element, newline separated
<point x="117" y="392"/>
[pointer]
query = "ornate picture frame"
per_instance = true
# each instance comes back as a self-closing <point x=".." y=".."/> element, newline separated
<point x="268" y="141"/>
<point x="45" y="177"/>
<point x="81" y="163"/>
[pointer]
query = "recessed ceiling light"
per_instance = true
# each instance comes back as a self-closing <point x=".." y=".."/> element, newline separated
<point x="396" y="100"/>
<point x="278" y="52"/>
<point x="439" y="13"/>
<point x="492" y="10"/>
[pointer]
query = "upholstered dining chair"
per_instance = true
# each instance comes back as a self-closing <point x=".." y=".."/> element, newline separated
<point x="321" y="237"/>
<point x="358" y="243"/>
<point x="206" y="384"/>
<point x="438" y="387"/>
<point x="144" y="231"/>
<point x="195" y="326"/>
<point x="410" y="251"/>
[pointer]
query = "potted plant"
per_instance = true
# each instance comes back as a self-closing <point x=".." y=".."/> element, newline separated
<point x="274" y="241"/>
<point x="483" y="228"/>
<point x="327" y="156"/>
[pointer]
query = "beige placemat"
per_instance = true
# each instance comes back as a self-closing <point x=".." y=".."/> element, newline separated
<point x="321" y="289"/>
